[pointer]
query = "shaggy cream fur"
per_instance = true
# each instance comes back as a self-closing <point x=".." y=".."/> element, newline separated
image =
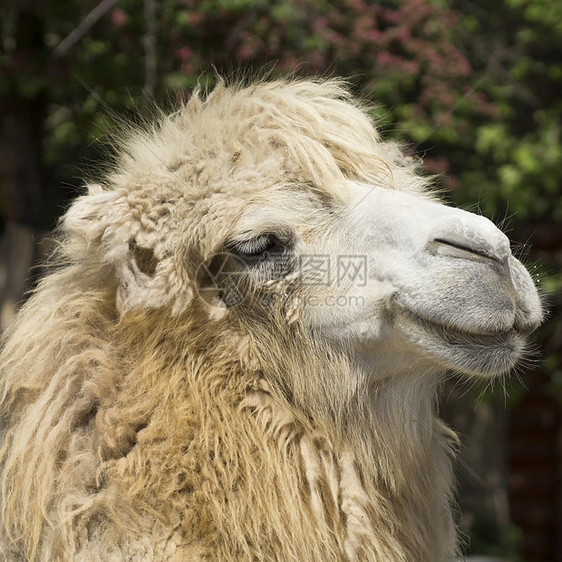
<point x="148" y="417"/>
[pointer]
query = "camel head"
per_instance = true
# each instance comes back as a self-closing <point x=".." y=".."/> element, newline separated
<point x="276" y="211"/>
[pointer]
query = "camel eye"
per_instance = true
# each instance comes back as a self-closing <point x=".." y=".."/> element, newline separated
<point x="259" y="246"/>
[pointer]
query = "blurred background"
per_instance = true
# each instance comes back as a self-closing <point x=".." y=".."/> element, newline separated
<point x="471" y="86"/>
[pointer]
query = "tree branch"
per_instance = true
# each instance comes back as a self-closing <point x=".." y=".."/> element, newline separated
<point x="149" y="42"/>
<point x="85" y="25"/>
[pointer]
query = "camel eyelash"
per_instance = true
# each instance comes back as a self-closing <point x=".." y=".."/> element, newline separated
<point x="260" y="246"/>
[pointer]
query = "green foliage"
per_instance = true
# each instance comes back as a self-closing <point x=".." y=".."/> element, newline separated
<point x="516" y="49"/>
<point x="488" y="537"/>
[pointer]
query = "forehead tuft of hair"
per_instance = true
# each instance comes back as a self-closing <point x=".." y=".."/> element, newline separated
<point x="322" y="134"/>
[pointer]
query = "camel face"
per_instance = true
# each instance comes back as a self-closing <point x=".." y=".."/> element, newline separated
<point x="441" y="287"/>
<point x="400" y="281"/>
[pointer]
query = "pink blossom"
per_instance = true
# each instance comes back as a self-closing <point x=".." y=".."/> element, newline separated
<point x="119" y="17"/>
<point x="184" y="53"/>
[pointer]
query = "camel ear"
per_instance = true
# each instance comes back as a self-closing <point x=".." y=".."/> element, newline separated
<point x="143" y="258"/>
<point x="98" y="230"/>
<point x="86" y="221"/>
<point x="102" y="230"/>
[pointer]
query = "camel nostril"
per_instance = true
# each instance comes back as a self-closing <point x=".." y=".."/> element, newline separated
<point x="474" y="249"/>
<point x="466" y="236"/>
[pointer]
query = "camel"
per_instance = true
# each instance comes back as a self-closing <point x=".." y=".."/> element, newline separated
<point x="237" y="349"/>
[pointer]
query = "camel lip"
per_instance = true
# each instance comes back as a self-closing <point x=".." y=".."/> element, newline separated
<point x="488" y="354"/>
<point x="453" y="333"/>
